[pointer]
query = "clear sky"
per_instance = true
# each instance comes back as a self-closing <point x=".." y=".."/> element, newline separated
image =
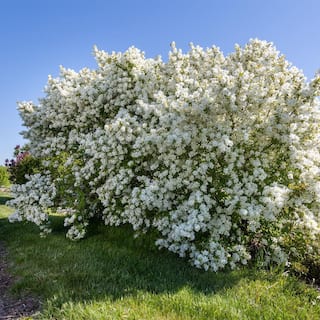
<point x="36" y="36"/>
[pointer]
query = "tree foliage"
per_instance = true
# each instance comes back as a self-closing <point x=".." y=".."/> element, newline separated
<point x="22" y="165"/>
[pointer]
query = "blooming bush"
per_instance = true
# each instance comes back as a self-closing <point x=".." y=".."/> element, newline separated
<point x="22" y="165"/>
<point x="218" y="154"/>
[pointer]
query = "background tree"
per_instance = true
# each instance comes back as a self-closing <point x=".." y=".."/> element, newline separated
<point x="22" y="165"/>
<point x="4" y="177"/>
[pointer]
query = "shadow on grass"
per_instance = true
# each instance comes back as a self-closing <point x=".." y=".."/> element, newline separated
<point x="4" y="198"/>
<point x="109" y="263"/>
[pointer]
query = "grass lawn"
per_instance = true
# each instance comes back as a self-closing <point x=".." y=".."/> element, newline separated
<point x="111" y="275"/>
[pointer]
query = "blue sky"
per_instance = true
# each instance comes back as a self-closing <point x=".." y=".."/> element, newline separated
<point x="37" y="36"/>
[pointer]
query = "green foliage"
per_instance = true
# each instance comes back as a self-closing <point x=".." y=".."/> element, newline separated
<point x="23" y="165"/>
<point x="4" y="177"/>
<point x="27" y="166"/>
<point x="305" y="257"/>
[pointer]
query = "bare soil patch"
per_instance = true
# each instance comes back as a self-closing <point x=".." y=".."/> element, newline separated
<point x="13" y="307"/>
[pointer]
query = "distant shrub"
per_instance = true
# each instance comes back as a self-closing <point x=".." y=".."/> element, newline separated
<point x="4" y="177"/>
<point x="22" y="166"/>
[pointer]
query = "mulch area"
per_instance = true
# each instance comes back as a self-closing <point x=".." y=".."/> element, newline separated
<point x="12" y="307"/>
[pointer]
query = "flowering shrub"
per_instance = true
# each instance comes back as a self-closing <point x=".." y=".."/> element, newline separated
<point x="218" y="154"/>
<point x="22" y="165"/>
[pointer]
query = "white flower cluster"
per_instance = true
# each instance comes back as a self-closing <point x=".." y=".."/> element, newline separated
<point x="32" y="200"/>
<point x="217" y="153"/>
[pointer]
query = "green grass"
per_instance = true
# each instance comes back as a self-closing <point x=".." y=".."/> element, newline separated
<point x="111" y="275"/>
